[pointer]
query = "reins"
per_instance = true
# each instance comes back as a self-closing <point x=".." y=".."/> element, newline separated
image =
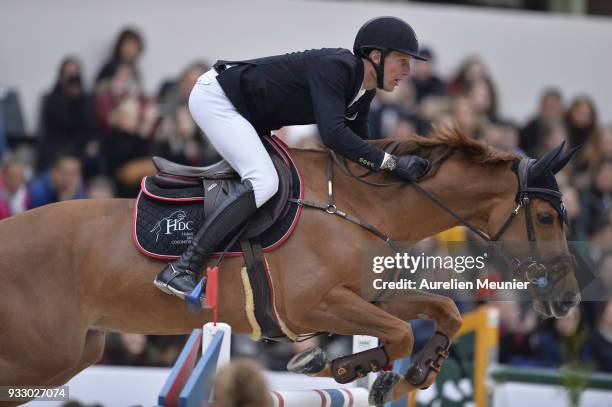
<point x="535" y="267"/>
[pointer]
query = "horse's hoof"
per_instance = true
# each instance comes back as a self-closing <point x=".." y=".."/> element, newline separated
<point x="310" y="362"/>
<point x="381" y="390"/>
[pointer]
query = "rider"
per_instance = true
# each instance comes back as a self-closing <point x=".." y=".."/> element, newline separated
<point x="236" y="101"/>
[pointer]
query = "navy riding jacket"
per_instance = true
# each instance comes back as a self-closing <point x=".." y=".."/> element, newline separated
<point x="315" y="86"/>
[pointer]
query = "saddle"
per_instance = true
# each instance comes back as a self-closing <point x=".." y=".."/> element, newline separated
<point x="212" y="184"/>
<point x="174" y="203"/>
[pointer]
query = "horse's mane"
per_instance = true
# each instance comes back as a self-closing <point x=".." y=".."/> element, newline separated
<point x="444" y="142"/>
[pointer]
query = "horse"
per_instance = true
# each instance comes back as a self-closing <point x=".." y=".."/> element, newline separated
<point x="70" y="271"/>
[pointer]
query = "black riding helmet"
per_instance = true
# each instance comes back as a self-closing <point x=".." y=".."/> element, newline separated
<point x="386" y="34"/>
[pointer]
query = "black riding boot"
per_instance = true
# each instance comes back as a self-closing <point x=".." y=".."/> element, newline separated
<point x="180" y="277"/>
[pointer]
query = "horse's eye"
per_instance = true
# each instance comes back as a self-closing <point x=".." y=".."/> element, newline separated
<point x="545" y="218"/>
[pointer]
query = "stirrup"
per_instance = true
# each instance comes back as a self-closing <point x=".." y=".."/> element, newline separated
<point x="196" y="298"/>
<point x="165" y="286"/>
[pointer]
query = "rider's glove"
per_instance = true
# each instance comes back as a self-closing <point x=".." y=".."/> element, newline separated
<point x="407" y="167"/>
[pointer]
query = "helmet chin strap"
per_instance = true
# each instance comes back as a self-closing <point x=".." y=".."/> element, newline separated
<point x="380" y="69"/>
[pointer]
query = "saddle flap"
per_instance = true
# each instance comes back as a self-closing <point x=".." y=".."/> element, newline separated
<point x="276" y="206"/>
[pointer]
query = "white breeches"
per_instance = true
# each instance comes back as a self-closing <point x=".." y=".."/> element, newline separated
<point x="232" y="136"/>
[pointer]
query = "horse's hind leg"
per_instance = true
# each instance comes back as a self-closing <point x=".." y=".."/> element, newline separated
<point x="343" y="312"/>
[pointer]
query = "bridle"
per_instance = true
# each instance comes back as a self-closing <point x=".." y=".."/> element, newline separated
<point x="542" y="272"/>
<point x="536" y="268"/>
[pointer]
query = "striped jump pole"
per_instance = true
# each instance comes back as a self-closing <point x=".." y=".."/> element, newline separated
<point x="345" y="397"/>
<point x="190" y="384"/>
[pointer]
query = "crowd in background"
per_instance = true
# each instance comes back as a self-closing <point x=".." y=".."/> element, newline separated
<point x="96" y="142"/>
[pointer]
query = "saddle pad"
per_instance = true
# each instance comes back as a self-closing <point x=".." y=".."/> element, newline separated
<point x="165" y="221"/>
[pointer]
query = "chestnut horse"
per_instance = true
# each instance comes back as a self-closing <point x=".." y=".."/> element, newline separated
<point x="70" y="272"/>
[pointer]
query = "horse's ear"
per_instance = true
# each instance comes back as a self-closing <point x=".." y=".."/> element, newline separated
<point x="561" y="162"/>
<point x="546" y="163"/>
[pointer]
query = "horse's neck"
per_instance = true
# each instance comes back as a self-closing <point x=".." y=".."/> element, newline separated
<point x="406" y="214"/>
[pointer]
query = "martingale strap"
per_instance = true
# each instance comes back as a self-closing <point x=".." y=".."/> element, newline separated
<point x="333" y="210"/>
<point x="263" y="306"/>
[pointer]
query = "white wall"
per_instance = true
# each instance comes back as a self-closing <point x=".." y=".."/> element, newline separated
<point x="525" y="52"/>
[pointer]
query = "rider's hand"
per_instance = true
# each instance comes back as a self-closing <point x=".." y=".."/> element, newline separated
<point x="410" y="167"/>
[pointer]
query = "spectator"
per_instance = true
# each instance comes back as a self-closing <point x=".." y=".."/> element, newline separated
<point x="553" y="134"/>
<point x="177" y="137"/>
<point x="600" y="341"/>
<point x="5" y="210"/>
<point x="550" y="112"/>
<point x="503" y="136"/>
<point x="483" y="98"/>
<point x="67" y="118"/>
<point x="471" y="70"/>
<point x="241" y="384"/>
<point x="515" y="330"/>
<point x="604" y="137"/>
<point x="128" y="48"/>
<point x="127" y="349"/>
<point x="13" y="191"/>
<point x="388" y="108"/>
<point x="558" y="341"/>
<point x="100" y="188"/>
<point x="600" y="288"/>
<point x="121" y="86"/>
<point x="2" y="132"/>
<point x="466" y="117"/>
<point x="426" y="82"/>
<point x="600" y="238"/>
<point x="581" y="120"/>
<point x="11" y="116"/>
<point x="62" y="182"/>
<point x="174" y="93"/>
<point x="597" y="200"/>
<point x="598" y="147"/>
<point x="404" y="128"/>
<point x="577" y="222"/>
<point x="127" y="149"/>
<point x="167" y="348"/>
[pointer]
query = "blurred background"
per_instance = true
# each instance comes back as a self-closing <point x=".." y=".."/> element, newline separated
<point x="89" y="91"/>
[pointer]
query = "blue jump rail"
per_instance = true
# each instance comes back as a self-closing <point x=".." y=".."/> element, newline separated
<point x="190" y="384"/>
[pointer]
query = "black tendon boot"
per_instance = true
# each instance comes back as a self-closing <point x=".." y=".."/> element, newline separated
<point x="180" y="277"/>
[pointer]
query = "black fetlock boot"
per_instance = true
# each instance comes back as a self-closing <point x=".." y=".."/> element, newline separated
<point x="180" y="277"/>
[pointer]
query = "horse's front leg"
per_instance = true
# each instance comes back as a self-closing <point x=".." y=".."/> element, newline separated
<point x="426" y="366"/>
<point x="342" y="311"/>
<point x="424" y="305"/>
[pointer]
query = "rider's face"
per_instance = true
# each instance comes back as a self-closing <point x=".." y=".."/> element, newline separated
<point x="397" y="67"/>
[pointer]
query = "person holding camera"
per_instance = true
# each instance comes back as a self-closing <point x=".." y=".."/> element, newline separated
<point x="68" y="120"/>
